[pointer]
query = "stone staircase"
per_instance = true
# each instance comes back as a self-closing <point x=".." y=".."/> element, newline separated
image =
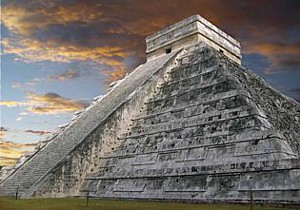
<point x="41" y="164"/>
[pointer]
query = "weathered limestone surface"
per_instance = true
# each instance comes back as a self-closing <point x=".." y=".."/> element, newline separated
<point x="189" y="31"/>
<point x="32" y="172"/>
<point x="190" y="125"/>
<point x="202" y="128"/>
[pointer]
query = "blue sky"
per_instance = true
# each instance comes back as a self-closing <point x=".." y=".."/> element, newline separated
<point x="58" y="55"/>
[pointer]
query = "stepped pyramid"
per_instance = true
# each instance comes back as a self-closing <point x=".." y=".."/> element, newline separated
<point x="189" y="124"/>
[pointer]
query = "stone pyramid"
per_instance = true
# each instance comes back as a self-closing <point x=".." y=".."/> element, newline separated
<point x="189" y="124"/>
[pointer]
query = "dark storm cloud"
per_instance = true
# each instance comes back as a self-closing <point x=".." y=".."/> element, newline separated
<point x="108" y="32"/>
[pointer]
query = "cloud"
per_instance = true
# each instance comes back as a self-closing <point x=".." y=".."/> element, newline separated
<point x="54" y="12"/>
<point x="108" y="32"/>
<point x="52" y="103"/>
<point x="35" y="81"/>
<point x="16" y="85"/>
<point x="115" y="75"/>
<point x="62" y="32"/>
<point x="30" y="50"/>
<point x="12" y="103"/>
<point x="3" y="132"/>
<point x="8" y="161"/>
<point x="19" y="119"/>
<point x="49" y="103"/>
<point x="9" y="144"/>
<point x="67" y="75"/>
<point x="283" y="62"/>
<point x="11" y="151"/>
<point x="283" y="56"/>
<point x="274" y="48"/>
<point x="38" y="132"/>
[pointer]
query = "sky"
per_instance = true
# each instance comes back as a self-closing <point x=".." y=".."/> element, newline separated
<point x="57" y="55"/>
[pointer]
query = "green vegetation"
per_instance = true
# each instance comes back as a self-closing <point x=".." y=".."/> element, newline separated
<point x="80" y="204"/>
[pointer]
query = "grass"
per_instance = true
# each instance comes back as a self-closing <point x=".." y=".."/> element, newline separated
<point x="80" y="204"/>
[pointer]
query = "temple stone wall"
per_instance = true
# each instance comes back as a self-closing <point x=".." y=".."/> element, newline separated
<point x="195" y="134"/>
<point x="190" y="31"/>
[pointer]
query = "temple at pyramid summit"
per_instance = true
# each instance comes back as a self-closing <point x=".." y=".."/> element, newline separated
<point x="189" y="124"/>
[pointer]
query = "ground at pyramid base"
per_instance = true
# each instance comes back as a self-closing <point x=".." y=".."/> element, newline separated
<point x="189" y="124"/>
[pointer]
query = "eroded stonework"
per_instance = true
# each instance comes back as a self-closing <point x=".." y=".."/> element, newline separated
<point x="190" y="125"/>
